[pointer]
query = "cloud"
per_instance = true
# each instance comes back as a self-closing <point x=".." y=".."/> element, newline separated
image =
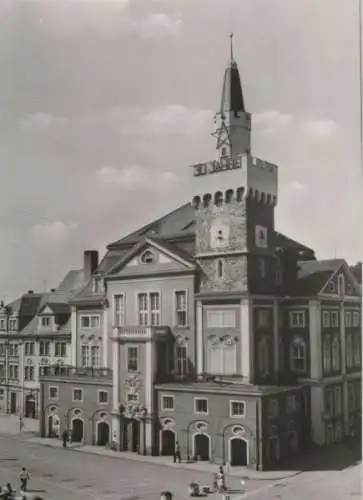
<point x="320" y="129"/>
<point x="134" y="178"/>
<point x="175" y="118"/>
<point x="52" y="233"/>
<point x="41" y="122"/>
<point x="296" y="186"/>
<point x="272" y="121"/>
<point x="157" y="25"/>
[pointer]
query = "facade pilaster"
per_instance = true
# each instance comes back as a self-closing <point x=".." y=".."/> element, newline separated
<point x="74" y="336"/>
<point x="200" y="343"/>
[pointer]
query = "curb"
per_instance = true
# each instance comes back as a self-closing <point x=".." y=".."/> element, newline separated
<point x="184" y="466"/>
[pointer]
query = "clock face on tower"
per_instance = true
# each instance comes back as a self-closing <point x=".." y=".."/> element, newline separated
<point x="219" y="235"/>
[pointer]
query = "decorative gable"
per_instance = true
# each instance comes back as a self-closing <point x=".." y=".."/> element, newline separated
<point x="47" y="311"/>
<point x="342" y="283"/>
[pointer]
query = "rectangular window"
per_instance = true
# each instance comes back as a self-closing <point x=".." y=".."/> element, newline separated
<point x="167" y="403"/>
<point x="181" y="360"/>
<point x="201" y="406"/>
<point x="263" y="316"/>
<point x="334" y="319"/>
<point x="181" y="308"/>
<point x="356" y="318"/>
<point x="85" y="356"/>
<point x="44" y="348"/>
<point x="338" y="401"/>
<point x="326" y="319"/>
<point x="155" y="308"/>
<point x="290" y="404"/>
<point x="12" y="325"/>
<point x="348" y="319"/>
<point x="351" y="397"/>
<point x="102" y="397"/>
<point x="77" y="395"/>
<point x="91" y="321"/>
<point x="221" y="319"/>
<point x="45" y="321"/>
<point x="119" y="309"/>
<point x="132" y="396"/>
<point x="2" y="324"/>
<point x="29" y="348"/>
<point x="60" y="349"/>
<point x="53" y="392"/>
<point x="329" y="402"/>
<point x="143" y="309"/>
<point x="2" y="371"/>
<point x="95" y="356"/>
<point x="237" y="409"/>
<point x="297" y="319"/>
<point x="2" y="349"/>
<point x="273" y="408"/>
<point x="132" y="358"/>
<point x="29" y="373"/>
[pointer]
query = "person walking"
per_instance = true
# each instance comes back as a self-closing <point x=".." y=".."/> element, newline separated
<point x="177" y="456"/>
<point x="24" y="478"/>
<point x="65" y="438"/>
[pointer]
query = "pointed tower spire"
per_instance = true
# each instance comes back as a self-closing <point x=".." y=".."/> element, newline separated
<point x="232" y="95"/>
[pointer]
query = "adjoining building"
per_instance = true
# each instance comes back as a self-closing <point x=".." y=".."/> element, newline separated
<point x="221" y="333"/>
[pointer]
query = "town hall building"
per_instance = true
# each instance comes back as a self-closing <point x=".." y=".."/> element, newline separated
<point x="212" y="328"/>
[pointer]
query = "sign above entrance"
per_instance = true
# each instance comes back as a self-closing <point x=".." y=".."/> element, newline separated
<point x="213" y="167"/>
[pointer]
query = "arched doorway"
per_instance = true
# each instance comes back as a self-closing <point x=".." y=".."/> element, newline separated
<point x="167" y="442"/>
<point x="238" y="451"/>
<point x="30" y="406"/>
<point x="103" y="433"/>
<point x="201" y="446"/>
<point x="77" y="430"/>
<point x="53" y="426"/>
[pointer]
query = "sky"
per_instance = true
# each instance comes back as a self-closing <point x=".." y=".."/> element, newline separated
<point x="105" y="104"/>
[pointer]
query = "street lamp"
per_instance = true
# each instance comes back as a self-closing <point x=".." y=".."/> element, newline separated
<point x="21" y="375"/>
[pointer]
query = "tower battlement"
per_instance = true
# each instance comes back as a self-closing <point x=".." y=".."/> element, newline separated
<point x="242" y="177"/>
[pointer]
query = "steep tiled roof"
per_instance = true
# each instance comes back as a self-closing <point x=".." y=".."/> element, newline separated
<point x="30" y="304"/>
<point x="313" y="274"/>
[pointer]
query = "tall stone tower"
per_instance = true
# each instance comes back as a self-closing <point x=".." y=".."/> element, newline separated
<point x="234" y="203"/>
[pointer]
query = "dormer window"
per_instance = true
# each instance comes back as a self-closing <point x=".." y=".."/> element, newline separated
<point x="12" y="325"/>
<point x="45" y="321"/>
<point x="224" y="152"/>
<point x="148" y="257"/>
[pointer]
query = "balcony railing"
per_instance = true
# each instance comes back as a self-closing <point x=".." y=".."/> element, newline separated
<point x="140" y="332"/>
<point x="71" y="371"/>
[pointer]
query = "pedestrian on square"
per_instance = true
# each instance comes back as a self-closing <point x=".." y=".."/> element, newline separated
<point x="24" y="478"/>
<point x="177" y="456"/>
<point x="65" y="438"/>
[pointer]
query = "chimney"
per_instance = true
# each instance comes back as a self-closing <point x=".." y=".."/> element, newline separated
<point x="90" y="263"/>
<point x="52" y="289"/>
<point x="30" y="292"/>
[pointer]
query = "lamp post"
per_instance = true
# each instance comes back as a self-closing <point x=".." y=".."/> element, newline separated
<point x="21" y="376"/>
<point x="7" y="375"/>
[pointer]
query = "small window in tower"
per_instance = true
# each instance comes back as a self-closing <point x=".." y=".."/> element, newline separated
<point x="262" y="267"/>
<point x="224" y="152"/>
<point x="220" y="269"/>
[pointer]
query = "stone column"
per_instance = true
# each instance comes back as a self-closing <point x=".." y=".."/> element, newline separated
<point x="200" y="343"/>
<point x="276" y="338"/>
<point x="316" y="369"/>
<point x="74" y="336"/>
<point x="247" y="348"/>
<point x="116" y="388"/>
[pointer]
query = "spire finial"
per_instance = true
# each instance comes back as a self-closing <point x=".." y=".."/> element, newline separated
<point x="231" y="46"/>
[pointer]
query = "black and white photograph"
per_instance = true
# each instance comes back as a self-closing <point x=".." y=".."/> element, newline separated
<point x="181" y="249"/>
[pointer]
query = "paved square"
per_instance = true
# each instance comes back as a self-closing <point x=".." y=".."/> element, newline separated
<point x="58" y="474"/>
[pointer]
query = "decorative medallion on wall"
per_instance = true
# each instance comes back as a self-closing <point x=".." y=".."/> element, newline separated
<point x="180" y="340"/>
<point x="77" y="412"/>
<point x="133" y="382"/>
<point x="99" y="338"/>
<point x="29" y="362"/>
<point x="239" y="430"/>
<point x="91" y="337"/>
<point x="82" y="337"/>
<point x="103" y="415"/>
<point x="261" y="237"/>
<point x="52" y="409"/>
<point x="167" y="423"/>
<point x="201" y="426"/>
<point x="219" y="234"/>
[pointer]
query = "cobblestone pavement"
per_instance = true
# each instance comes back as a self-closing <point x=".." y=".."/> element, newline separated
<point x="58" y="474"/>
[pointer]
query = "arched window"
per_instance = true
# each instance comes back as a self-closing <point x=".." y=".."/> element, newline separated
<point x="356" y="350"/>
<point x="327" y="354"/>
<point x="181" y="357"/>
<point x="263" y="357"/>
<point x="298" y="355"/>
<point x="148" y="257"/>
<point x="341" y="284"/>
<point x="349" y="351"/>
<point x="335" y="353"/>
<point x="220" y="268"/>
